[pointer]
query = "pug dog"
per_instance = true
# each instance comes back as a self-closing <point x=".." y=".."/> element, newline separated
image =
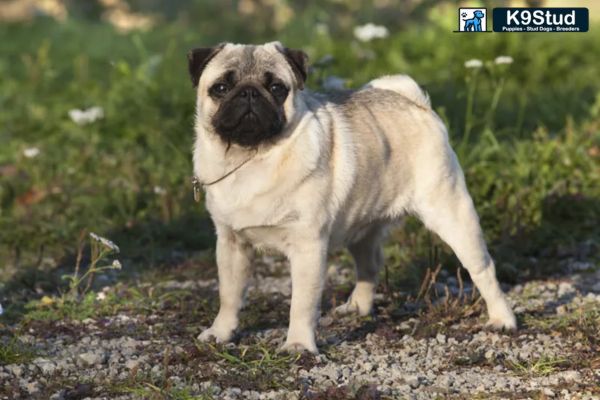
<point x="304" y="173"/>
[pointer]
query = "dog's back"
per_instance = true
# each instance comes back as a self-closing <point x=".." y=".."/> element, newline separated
<point x="404" y="85"/>
<point x="396" y="143"/>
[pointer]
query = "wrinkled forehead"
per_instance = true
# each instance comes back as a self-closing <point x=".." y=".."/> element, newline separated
<point x="248" y="62"/>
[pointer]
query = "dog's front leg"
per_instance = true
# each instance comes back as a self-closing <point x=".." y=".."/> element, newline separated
<point x="308" y="261"/>
<point x="233" y="261"/>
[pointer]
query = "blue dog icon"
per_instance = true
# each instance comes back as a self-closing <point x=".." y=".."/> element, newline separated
<point x="474" y="24"/>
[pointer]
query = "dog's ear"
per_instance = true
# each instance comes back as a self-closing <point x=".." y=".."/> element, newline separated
<point x="298" y="60"/>
<point x="198" y="58"/>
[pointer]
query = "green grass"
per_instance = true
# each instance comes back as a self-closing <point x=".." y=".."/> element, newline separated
<point x="150" y="391"/>
<point x="255" y="367"/>
<point x="13" y="351"/>
<point x="543" y="366"/>
<point x="527" y="135"/>
<point x="171" y="304"/>
<point x="581" y="324"/>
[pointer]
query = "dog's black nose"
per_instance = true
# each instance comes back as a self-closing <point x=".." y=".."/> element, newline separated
<point x="249" y="92"/>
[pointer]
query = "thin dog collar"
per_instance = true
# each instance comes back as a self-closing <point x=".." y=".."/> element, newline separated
<point x="198" y="184"/>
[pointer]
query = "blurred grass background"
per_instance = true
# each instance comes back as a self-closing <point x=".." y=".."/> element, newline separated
<point x="531" y="157"/>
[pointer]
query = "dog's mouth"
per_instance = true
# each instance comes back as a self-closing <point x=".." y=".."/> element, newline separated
<point x="250" y="117"/>
<point x="248" y="126"/>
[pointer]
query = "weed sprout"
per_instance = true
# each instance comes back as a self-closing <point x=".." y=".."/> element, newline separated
<point x="100" y="248"/>
<point x="497" y="72"/>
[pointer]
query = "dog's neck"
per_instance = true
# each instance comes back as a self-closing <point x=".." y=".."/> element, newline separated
<point x="214" y="156"/>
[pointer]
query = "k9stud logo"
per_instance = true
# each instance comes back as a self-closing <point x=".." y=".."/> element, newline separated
<point x="541" y="19"/>
<point x="472" y="20"/>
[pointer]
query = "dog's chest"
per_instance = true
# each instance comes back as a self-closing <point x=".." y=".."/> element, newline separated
<point x="244" y="206"/>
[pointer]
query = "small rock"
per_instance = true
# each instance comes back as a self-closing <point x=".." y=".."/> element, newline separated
<point x="80" y="391"/>
<point x="155" y="371"/>
<point x="445" y="381"/>
<point x="548" y="392"/>
<point x="32" y="387"/>
<point x="368" y="367"/>
<point x="591" y="296"/>
<point x="494" y="338"/>
<point x="581" y="265"/>
<point x="519" y="309"/>
<point x="47" y="366"/>
<point x="565" y="288"/>
<point x="345" y="373"/>
<point x="63" y="365"/>
<point x="404" y="388"/>
<point x="570" y="376"/>
<point x="412" y="380"/>
<point x="131" y="364"/>
<point x="404" y="326"/>
<point x="127" y="342"/>
<point x="441" y="338"/>
<point x="60" y="395"/>
<point x="14" y="369"/>
<point x="92" y="358"/>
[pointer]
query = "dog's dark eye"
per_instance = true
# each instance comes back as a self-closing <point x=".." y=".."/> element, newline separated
<point x="277" y="89"/>
<point x="219" y="88"/>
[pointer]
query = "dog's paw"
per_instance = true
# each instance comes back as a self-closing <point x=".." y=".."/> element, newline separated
<point x="347" y="308"/>
<point x="502" y="325"/>
<point x="503" y="322"/>
<point x="298" y="348"/>
<point x="353" y="307"/>
<point x="501" y="316"/>
<point x="212" y="333"/>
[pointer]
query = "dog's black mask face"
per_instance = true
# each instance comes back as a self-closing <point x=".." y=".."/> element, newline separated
<point x="246" y="90"/>
<point x="250" y="112"/>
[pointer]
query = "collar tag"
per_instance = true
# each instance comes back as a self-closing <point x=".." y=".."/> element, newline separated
<point x="197" y="188"/>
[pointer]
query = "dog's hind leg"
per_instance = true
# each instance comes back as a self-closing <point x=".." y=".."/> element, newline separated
<point x="445" y="206"/>
<point x="368" y="258"/>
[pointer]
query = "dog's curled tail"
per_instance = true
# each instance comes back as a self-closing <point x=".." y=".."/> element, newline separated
<point x="403" y="84"/>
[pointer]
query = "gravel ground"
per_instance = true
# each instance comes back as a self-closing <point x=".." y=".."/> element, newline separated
<point x="417" y="351"/>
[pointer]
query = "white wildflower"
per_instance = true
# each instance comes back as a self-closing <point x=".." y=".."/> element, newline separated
<point x="159" y="190"/>
<point x="321" y="28"/>
<point x="503" y="60"/>
<point x="370" y="31"/>
<point x="473" y="63"/>
<point x="105" y="242"/>
<point x="109" y="244"/>
<point x="334" y="83"/>
<point x="84" y="117"/>
<point x="31" y="152"/>
<point x="101" y="296"/>
<point x="116" y="264"/>
<point x="94" y="236"/>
